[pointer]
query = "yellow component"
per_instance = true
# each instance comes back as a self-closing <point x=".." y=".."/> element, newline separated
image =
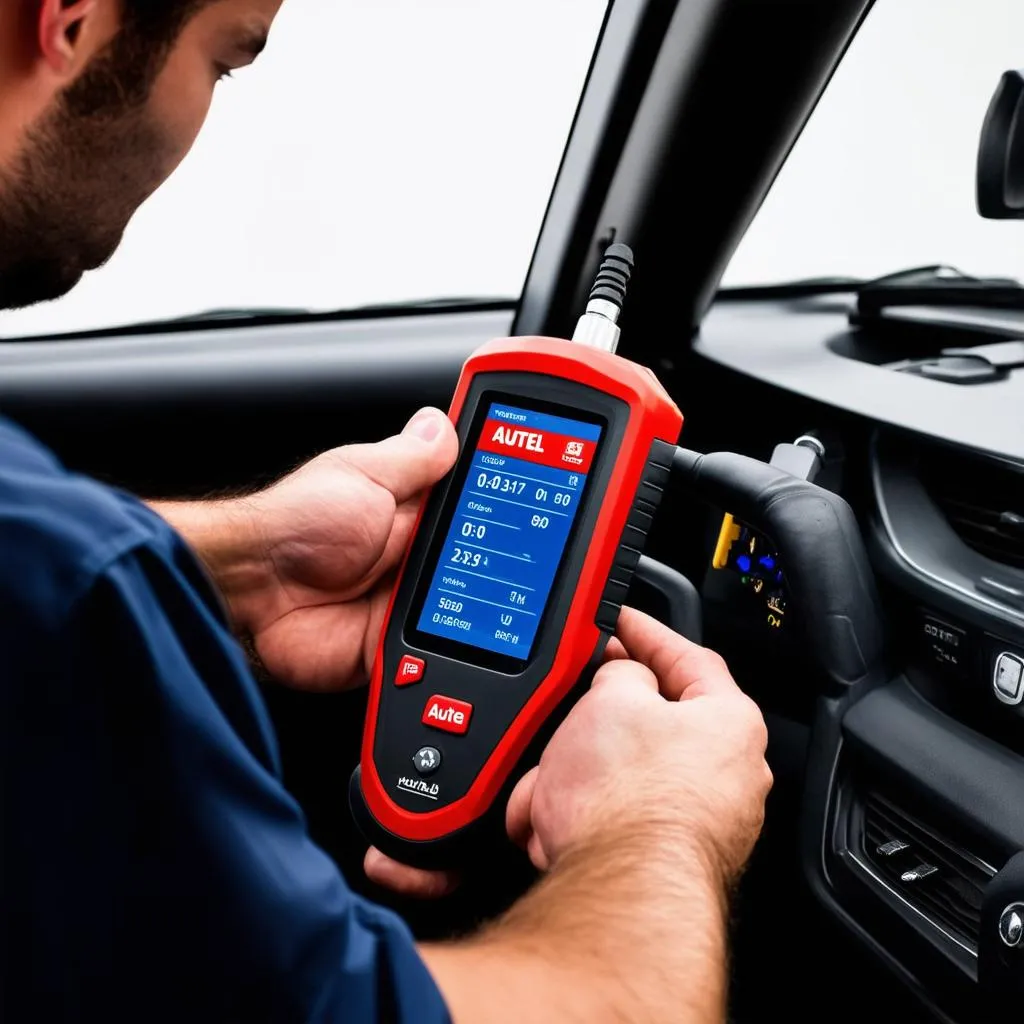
<point x="727" y="536"/>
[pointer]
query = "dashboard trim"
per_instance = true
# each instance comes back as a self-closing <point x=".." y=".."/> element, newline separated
<point x="791" y="345"/>
<point x="948" y="586"/>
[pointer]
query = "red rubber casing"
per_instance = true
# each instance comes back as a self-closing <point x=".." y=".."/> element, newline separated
<point x="652" y="416"/>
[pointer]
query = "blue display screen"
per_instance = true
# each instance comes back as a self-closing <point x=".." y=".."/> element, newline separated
<point x="512" y="520"/>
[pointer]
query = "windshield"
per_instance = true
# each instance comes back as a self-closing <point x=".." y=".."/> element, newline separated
<point x="379" y="151"/>
<point x="883" y="176"/>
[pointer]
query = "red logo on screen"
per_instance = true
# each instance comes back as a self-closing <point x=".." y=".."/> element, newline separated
<point x="514" y="438"/>
<point x="573" y="453"/>
<point x="539" y="446"/>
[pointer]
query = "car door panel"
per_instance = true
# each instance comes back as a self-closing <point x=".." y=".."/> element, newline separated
<point x="196" y="412"/>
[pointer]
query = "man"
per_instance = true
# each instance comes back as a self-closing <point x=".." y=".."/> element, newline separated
<point x="153" y="865"/>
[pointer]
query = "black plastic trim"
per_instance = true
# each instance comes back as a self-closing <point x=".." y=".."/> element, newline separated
<point x="962" y="775"/>
<point x="735" y="79"/>
<point x="916" y="548"/>
<point x="626" y="47"/>
<point x="244" y="365"/>
<point x="634" y="534"/>
<point x="819" y="805"/>
<point x="797" y="347"/>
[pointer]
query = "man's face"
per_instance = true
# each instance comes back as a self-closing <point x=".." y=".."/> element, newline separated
<point x="108" y="140"/>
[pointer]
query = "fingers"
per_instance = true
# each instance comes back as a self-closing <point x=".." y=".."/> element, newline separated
<point x="614" y="651"/>
<point x="622" y="672"/>
<point x="519" y="823"/>
<point x="409" y="462"/>
<point x="540" y="860"/>
<point x="407" y="881"/>
<point x="517" y="813"/>
<point x="684" y="669"/>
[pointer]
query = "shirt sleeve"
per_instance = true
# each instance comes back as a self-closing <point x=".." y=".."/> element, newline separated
<point x="188" y="883"/>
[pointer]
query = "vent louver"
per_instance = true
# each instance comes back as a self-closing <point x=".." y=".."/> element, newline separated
<point x="951" y="896"/>
<point x="983" y="502"/>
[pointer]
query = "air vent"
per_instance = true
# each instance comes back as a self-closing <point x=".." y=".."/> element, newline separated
<point x="941" y="881"/>
<point x="983" y="502"/>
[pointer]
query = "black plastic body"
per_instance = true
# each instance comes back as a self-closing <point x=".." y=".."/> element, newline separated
<point x="819" y="541"/>
<point x="680" y="598"/>
<point x="483" y="833"/>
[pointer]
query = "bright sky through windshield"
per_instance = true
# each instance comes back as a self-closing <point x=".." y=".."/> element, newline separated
<point x="385" y="150"/>
<point x="883" y="176"/>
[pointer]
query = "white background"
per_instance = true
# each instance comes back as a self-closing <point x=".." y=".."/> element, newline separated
<point x="400" y="149"/>
<point x="882" y="178"/>
<point x="379" y="150"/>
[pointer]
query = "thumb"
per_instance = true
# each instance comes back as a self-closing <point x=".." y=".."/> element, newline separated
<point x="407" y="881"/>
<point x="412" y="461"/>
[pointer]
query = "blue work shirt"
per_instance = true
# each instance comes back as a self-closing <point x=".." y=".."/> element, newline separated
<point x="153" y="865"/>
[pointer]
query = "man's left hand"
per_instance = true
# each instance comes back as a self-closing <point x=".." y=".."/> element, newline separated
<point x="306" y="565"/>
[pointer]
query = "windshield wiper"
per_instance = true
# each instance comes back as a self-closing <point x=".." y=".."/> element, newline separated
<point x="793" y="289"/>
<point x="234" y="313"/>
<point x="262" y="316"/>
<point x="937" y="319"/>
<point x="940" y="286"/>
<point x="933" y="285"/>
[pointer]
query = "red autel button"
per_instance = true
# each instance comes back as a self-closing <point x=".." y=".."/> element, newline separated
<point x="447" y="714"/>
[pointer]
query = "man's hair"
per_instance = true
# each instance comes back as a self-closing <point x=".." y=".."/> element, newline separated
<point x="158" y="20"/>
<point x="123" y="74"/>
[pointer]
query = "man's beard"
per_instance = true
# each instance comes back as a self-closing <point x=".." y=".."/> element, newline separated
<point x="83" y="171"/>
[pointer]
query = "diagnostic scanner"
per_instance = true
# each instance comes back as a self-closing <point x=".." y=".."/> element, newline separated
<point x="520" y="561"/>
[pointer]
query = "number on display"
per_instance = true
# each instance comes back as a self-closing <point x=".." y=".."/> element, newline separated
<point x="499" y="483"/>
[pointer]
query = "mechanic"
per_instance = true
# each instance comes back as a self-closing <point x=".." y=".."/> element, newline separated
<point x="154" y="867"/>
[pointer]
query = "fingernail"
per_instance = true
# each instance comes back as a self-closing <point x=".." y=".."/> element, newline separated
<point x="426" y="424"/>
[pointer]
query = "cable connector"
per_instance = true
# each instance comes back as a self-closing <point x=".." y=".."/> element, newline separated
<point x="803" y="458"/>
<point x="599" y="327"/>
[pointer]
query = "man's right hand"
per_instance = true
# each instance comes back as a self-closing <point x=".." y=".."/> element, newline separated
<point x="665" y="741"/>
<point x="644" y="808"/>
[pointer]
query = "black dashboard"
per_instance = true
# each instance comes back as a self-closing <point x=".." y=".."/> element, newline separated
<point x="912" y="811"/>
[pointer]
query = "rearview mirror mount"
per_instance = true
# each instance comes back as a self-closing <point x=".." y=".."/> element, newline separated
<point x="1000" y="174"/>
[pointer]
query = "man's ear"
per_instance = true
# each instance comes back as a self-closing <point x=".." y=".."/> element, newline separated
<point x="64" y="34"/>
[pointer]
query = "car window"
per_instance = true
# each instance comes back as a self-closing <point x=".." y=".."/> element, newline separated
<point x="379" y="151"/>
<point x="882" y="177"/>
